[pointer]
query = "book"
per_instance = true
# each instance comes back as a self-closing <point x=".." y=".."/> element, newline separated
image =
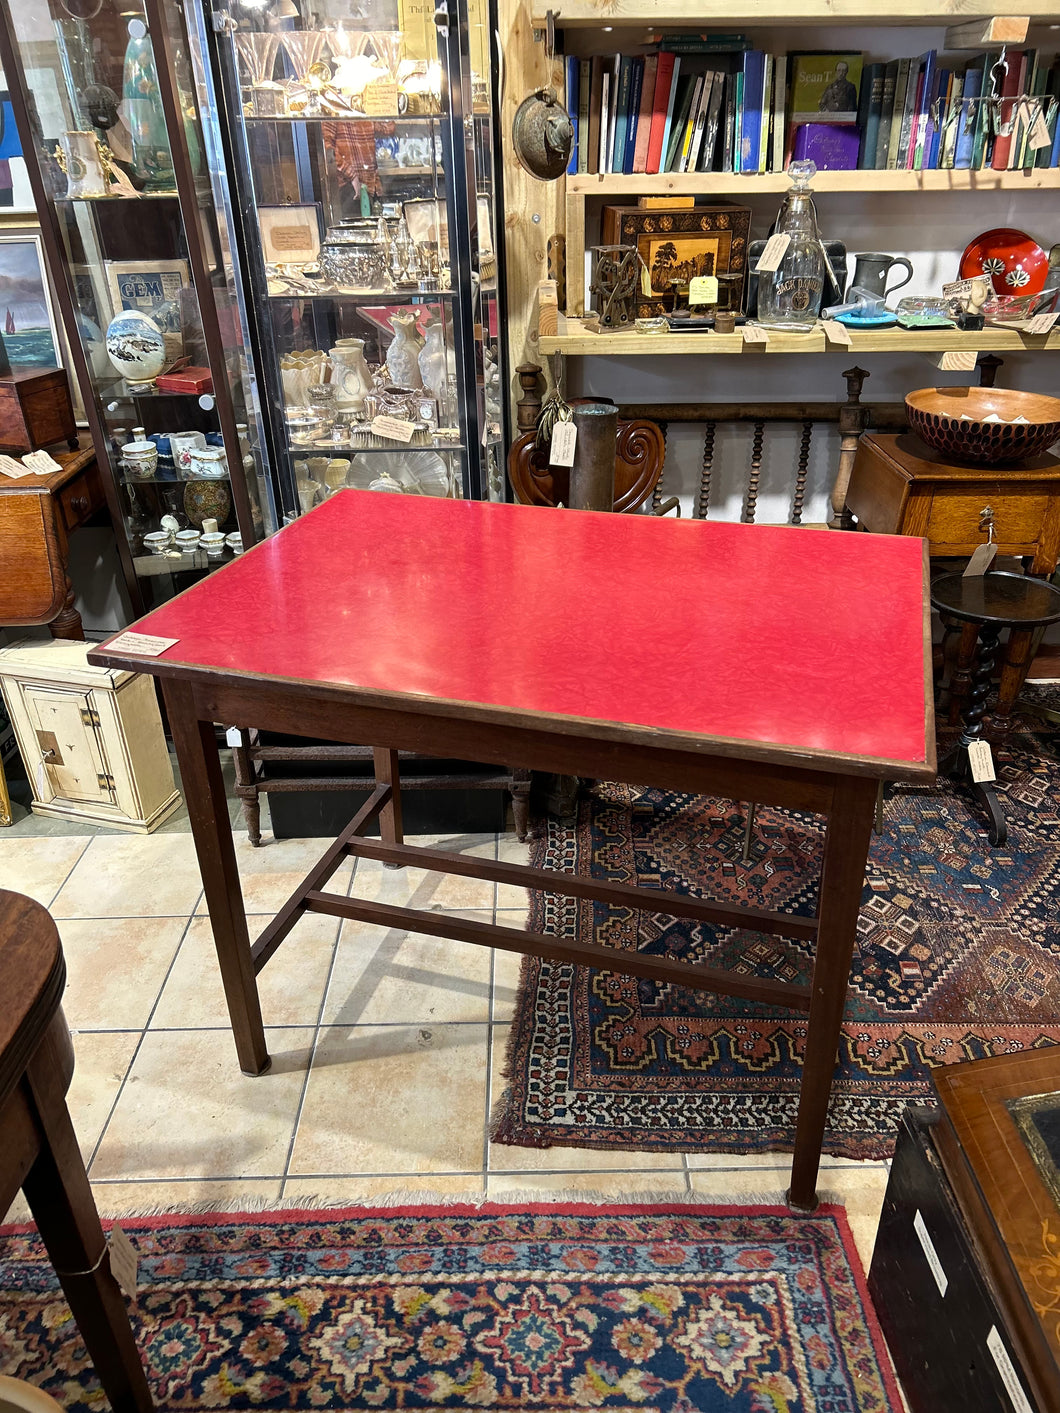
<point x="901" y="91"/>
<point x="618" y="146"/>
<point x="982" y="145"/>
<point x="926" y="84"/>
<point x="605" y="121"/>
<point x="870" y="107"/>
<point x="572" y="109"/>
<point x="1019" y="124"/>
<point x="729" y="130"/>
<point x="636" y="81"/>
<point x="584" y="82"/>
<point x="937" y="110"/>
<point x="767" y="116"/>
<point x="1051" y="114"/>
<point x="883" y="134"/>
<point x="596" y="85"/>
<point x="737" y="136"/>
<point x="1034" y="85"/>
<point x="685" y="143"/>
<point x="951" y="122"/>
<point x="832" y="146"/>
<point x="824" y="87"/>
<point x="972" y="87"/>
<point x="668" y="118"/>
<point x="999" y="158"/>
<point x="714" y="124"/>
<point x="644" y="114"/>
<point x="700" y="126"/>
<point x="682" y="103"/>
<point x="753" y="72"/>
<point x="1054" y="152"/>
<point x="780" y="89"/>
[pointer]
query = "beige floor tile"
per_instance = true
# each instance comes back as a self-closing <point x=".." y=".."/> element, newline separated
<point x="861" y="1193"/>
<point x="361" y="1191"/>
<point x="101" y="1062"/>
<point x="154" y="875"/>
<point x="269" y="875"/>
<point x="187" y="1110"/>
<point x="508" y="895"/>
<point x="421" y="888"/>
<point x="382" y="975"/>
<point x="507" y="967"/>
<point x="125" y="1199"/>
<point x="738" y="1184"/>
<point x="773" y="1162"/>
<point x="291" y="986"/>
<point x="555" y="1186"/>
<point x="394" y="1099"/>
<point x="115" y="968"/>
<point x="38" y="867"/>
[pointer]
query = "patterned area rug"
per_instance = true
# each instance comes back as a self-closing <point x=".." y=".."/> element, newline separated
<point x="684" y="1309"/>
<point x="958" y="956"/>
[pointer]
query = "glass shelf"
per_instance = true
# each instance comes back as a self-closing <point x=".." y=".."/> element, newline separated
<point x="421" y="441"/>
<point x="171" y="480"/>
<point x="396" y="297"/>
<point x="117" y="198"/>
<point x="314" y="119"/>
<point x="154" y="566"/>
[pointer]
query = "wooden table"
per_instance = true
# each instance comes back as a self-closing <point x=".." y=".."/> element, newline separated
<point x="750" y="662"/>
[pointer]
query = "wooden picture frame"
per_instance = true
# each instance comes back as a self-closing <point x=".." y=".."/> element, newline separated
<point x="690" y="240"/>
<point x="290" y="235"/>
<point x="31" y="334"/>
<point x="155" y="287"/>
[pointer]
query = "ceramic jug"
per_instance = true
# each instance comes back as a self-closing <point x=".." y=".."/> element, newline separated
<point x="401" y="357"/>
<point x="78" y="156"/>
<point x="437" y="363"/>
<point x="872" y="269"/>
<point x="350" y="373"/>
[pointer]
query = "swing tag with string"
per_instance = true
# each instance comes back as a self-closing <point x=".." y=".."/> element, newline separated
<point x="554" y="409"/>
<point x="564" y="438"/>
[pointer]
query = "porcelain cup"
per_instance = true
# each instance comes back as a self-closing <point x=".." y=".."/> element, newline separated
<point x="235" y="542"/>
<point x="158" y="541"/>
<point x="213" y="544"/>
<point x="188" y="541"/>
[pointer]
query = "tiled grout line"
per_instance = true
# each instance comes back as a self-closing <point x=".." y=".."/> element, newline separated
<point x="76" y="861"/>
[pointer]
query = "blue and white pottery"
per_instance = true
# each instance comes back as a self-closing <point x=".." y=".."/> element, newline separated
<point x="135" y="346"/>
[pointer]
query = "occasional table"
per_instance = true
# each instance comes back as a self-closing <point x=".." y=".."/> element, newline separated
<point x="749" y="662"/>
<point x="991" y="602"/>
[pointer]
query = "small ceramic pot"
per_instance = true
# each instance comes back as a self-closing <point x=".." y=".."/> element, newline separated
<point x="316" y="467"/>
<point x="182" y="444"/>
<point x="158" y="541"/>
<point x="235" y="542"/>
<point x="213" y="544"/>
<point x="307" y="494"/>
<point x="336" y="472"/>
<point x="187" y="541"/>
<point x="140" y="458"/>
<point x="208" y="464"/>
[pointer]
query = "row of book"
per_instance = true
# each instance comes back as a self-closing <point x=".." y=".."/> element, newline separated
<point x="750" y="111"/>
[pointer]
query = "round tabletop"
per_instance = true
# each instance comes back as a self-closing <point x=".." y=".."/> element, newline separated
<point x="1002" y="598"/>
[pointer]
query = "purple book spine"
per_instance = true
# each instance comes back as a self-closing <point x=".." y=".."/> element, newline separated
<point x="833" y="146"/>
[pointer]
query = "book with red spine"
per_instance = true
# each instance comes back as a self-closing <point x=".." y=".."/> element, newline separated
<point x="664" y="77"/>
<point x="1010" y="87"/>
<point x="644" y="116"/>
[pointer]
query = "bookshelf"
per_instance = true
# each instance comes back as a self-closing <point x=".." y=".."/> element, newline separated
<point x="586" y="14"/>
<point x="879" y="180"/>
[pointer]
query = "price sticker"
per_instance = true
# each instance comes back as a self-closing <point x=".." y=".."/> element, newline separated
<point x="1041" y="323"/>
<point x="123" y="1261"/>
<point x="703" y="290"/>
<point x="835" y="332"/>
<point x="982" y="558"/>
<point x="981" y="761"/>
<point x="142" y="643"/>
<point x="393" y="428"/>
<point x="773" y="254"/>
<point x="1038" y="135"/>
<point x="564" y="438"/>
<point x="754" y="333"/>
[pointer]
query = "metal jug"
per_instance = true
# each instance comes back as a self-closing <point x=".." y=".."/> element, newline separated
<point x="872" y="269"/>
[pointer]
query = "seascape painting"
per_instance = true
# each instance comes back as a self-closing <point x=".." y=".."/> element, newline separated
<point x="26" y="319"/>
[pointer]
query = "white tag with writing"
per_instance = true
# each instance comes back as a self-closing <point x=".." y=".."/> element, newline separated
<point x="122" y="1261"/>
<point x="982" y="558"/>
<point x="957" y="289"/>
<point x="754" y="333"/>
<point x="142" y="643"/>
<point x="835" y="332"/>
<point x="393" y="428"/>
<point x="10" y="467"/>
<point x="924" y="1237"/>
<point x="1038" y="136"/>
<point x="773" y="254"/>
<point x="1041" y="323"/>
<point x="703" y="289"/>
<point x="564" y="439"/>
<point x="1005" y="1368"/>
<point x="981" y="761"/>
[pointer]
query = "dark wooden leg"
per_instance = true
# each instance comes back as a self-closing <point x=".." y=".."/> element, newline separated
<point x="961" y="681"/>
<point x="60" y="1199"/>
<point x="842" y="881"/>
<point x="1018" y="654"/>
<point x="247" y="786"/>
<point x="67" y="624"/>
<point x="521" y="802"/>
<point x="387" y="773"/>
<point x="955" y="762"/>
<point x="204" y="793"/>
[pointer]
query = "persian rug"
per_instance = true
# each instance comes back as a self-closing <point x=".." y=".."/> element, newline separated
<point x="957" y="957"/>
<point x="679" y="1309"/>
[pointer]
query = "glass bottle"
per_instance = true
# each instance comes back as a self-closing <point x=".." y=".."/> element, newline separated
<point x="789" y="298"/>
<point x="144" y="113"/>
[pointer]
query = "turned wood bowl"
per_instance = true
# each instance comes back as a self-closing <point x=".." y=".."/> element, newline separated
<point x="954" y="421"/>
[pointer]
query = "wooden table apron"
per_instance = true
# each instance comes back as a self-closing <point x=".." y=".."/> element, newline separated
<point x="843" y="788"/>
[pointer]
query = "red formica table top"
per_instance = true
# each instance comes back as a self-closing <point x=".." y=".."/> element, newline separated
<point x="761" y="634"/>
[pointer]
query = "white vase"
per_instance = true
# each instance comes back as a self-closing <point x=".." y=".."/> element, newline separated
<point x="350" y="373"/>
<point x="437" y="363"/>
<point x="401" y="357"/>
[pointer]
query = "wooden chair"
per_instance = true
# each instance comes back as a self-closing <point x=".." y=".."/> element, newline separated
<point x="640" y="452"/>
<point x="40" y="1152"/>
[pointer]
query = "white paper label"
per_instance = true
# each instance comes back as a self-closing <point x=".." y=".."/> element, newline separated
<point x="141" y="643"/>
<point x="703" y="290"/>
<point x="393" y="428"/>
<point x="941" y="1279"/>
<point x="564" y="439"/>
<point x="773" y="254"/>
<point x="1039" y="131"/>
<point x="1009" y="1377"/>
<point x="233" y="737"/>
<point x="753" y="333"/>
<point x="10" y="467"/>
<point x="1041" y="323"/>
<point x="122" y="1261"/>
<point x="835" y="332"/>
<point x="981" y="761"/>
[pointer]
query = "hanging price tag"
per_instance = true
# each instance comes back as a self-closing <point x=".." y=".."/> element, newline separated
<point x="754" y="333"/>
<point x="982" y="558"/>
<point x="564" y="437"/>
<point x="122" y="1261"/>
<point x="835" y="332"/>
<point x="1038" y="136"/>
<point x="773" y="254"/>
<point x="981" y="761"/>
<point x="1041" y="323"/>
<point x="703" y="290"/>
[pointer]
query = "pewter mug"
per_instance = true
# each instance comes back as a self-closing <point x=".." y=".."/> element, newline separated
<point x="872" y="269"/>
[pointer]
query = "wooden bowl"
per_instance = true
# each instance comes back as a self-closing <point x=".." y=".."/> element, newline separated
<point x="952" y="420"/>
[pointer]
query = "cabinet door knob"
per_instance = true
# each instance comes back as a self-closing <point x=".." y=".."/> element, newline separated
<point x="79" y="504"/>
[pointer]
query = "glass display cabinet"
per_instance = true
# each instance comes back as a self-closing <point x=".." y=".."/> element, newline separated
<point x="358" y="138"/>
<point x="106" y="107"/>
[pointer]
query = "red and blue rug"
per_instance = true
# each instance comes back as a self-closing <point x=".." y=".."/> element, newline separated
<point x="957" y="957"/>
<point x="661" y="1310"/>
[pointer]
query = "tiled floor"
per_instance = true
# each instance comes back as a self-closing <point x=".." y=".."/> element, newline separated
<point x="387" y="1048"/>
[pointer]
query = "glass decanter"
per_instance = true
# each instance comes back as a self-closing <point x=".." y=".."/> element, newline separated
<point x="789" y="297"/>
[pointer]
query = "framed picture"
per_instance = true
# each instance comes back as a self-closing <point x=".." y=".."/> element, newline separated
<point x="677" y="246"/>
<point x="427" y="220"/>
<point x="31" y="335"/>
<point x="155" y="287"/>
<point x="16" y="195"/>
<point x="290" y="235"/>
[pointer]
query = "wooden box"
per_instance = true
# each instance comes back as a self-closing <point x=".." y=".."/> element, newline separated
<point x="91" y="738"/>
<point x="35" y="410"/>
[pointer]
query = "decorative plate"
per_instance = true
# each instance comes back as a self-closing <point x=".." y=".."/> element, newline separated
<point x="867" y="321"/>
<point x="1015" y="263"/>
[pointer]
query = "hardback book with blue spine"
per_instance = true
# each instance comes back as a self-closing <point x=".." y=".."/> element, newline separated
<point x="618" y="150"/>
<point x="754" y="71"/>
<point x="921" y="136"/>
<point x="572" y="109"/>
<point x="937" y="118"/>
<point x="636" y="83"/>
<point x="973" y="86"/>
<point x="870" y="108"/>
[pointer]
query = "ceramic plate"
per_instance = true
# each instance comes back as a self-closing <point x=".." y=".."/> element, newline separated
<point x="867" y="321"/>
<point x="1015" y="263"/>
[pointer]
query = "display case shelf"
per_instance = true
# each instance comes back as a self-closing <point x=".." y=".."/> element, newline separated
<point x="592" y="14"/>
<point x="732" y="184"/>
<point x="421" y="441"/>
<point x="315" y="119"/>
<point x="396" y="297"/>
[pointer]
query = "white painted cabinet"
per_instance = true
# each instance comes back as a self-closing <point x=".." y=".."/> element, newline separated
<point x="91" y="737"/>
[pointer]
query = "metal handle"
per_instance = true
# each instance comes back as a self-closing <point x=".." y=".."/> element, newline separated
<point x="79" y="503"/>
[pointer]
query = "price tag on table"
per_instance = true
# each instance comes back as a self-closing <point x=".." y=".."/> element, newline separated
<point x="142" y="643"/>
<point x="835" y="332"/>
<point x="1041" y="323"/>
<point x="123" y="1261"/>
<point x="773" y="254"/>
<point x="564" y="439"/>
<point x="703" y="290"/>
<point x="754" y="333"/>
<point x="393" y="428"/>
<point x="981" y="761"/>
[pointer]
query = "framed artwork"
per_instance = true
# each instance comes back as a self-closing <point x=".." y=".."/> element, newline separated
<point x="427" y="220"/>
<point x="677" y="246"/>
<point x="290" y="235"/>
<point x="16" y="196"/>
<point x="31" y="335"/>
<point x="155" y="287"/>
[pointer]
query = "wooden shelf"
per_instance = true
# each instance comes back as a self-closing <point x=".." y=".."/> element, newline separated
<point x="731" y="184"/>
<point x="576" y="340"/>
<point x="704" y="14"/>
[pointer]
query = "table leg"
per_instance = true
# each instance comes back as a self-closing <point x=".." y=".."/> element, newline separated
<point x="388" y="773"/>
<point x="961" y="680"/>
<point x="842" y="881"/>
<point x="204" y="794"/>
<point x="1014" y="669"/>
<point x="955" y="763"/>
